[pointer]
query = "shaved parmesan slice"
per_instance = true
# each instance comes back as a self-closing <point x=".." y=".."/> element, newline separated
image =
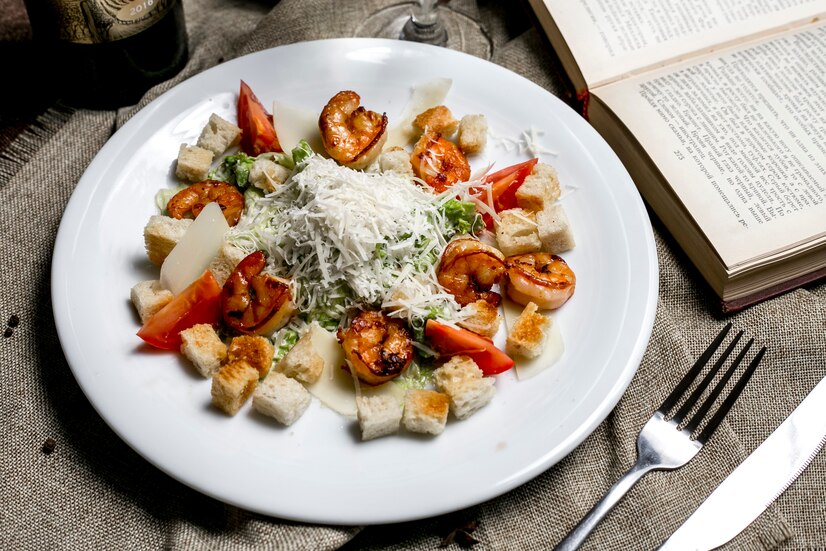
<point x="425" y="95"/>
<point x="196" y="249"/>
<point x="293" y="124"/>
<point x="551" y="352"/>
<point x="336" y="387"/>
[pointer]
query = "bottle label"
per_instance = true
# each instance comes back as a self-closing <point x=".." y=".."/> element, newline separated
<point x="96" y="21"/>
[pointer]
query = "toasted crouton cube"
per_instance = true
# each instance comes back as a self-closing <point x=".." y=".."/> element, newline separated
<point x="266" y="174"/>
<point x="554" y="229"/>
<point x="225" y="262"/>
<point x="149" y="297"/>
<point x="218" y="135"/>
<point x="255" y="350"/>
<point x="482" y="317"/>
<point x="436" y="119"/>
<point x="473" y="133"/>
<point x="161" y="234"/>
<point x="425" y="411"/>
<point x="232" y="385"/>
<point x="540" y="188"/>
<point x="396" y="160"/>
<point x="193" y="163"/>
<point x="378" y="415"/>
<point x="463" y="382"/>
<point x="302" y="362"/>
<point x="281" y="398"/>
<point x="517" y="232"/>
<point x="204" y="348"/>
<point x="528" y="332"/>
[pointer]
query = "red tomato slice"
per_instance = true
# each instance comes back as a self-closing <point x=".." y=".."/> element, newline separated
<point x="452" y="341"/>
<point x="198" y="303"/>
<point x="504" y="184"/>
<point x="257" y="130"/>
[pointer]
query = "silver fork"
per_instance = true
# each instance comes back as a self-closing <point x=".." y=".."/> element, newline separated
<point x="664" y="443"/>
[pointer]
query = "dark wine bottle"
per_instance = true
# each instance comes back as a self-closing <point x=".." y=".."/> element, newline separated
<point x="108" y="53"/>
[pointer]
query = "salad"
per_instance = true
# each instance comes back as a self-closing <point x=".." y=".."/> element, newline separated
<point x="371" y="272"/>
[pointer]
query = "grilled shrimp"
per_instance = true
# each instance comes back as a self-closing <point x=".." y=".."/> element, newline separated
<point x="468" y="270"/>
<point x="542" y="278"/>
<point x="352" y="135"/>
<point x="189" y="202"/>
<point x="439" y="162"/>
<point x="253" y="302"/>
<point x="377" y="347"/>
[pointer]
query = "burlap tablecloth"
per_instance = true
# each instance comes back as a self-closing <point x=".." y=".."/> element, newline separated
<point x="93" y="491"/>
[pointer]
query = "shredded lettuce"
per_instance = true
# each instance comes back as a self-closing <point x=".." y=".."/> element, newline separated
<point x="234" y="169"/>
<point x="462" y="217"/>
<point x="302" y="152"/>
<point x="293" y="159"/>
<point x="418" y="323"/>
<point x="415" y="377"/>
<point x="284" y="159"/>
<point x="252" y="194"/>
<point x="164" y="195"/>
<point x="286" y="341"/>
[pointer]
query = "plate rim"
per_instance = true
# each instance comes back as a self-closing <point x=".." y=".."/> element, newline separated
<point x="86" y="189"/>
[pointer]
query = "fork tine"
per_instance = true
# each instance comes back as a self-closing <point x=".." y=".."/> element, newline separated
<point x="694" y="371"/>
<point x="715" y="421"/>
<point x="703" y="409"/>
<point x="695" y="395"/>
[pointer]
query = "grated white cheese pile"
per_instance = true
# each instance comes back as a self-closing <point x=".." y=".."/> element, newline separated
<point x="348" y="238"/>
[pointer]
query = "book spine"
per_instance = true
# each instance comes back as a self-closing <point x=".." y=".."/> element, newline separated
<point x="583" y="97"/>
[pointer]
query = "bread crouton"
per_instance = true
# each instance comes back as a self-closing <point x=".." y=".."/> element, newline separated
<point x="225" y="262"/>
<point x="193" y="163"/>
<point x="482" y="317"/>
<point x="473" y="133"/>
<point x="302" y="362"/>
<point x="204" y="348"/>
<point x="281" y="398"/>
<point x="528" y="332"/>
<point x="255" y="350"/>
<point x="149" y="297"/>
<point x="378" y="415"/>
<point x="425" y="411"/>
<point x="463" y="382"/>
<point x="161" y="234"/>
<point x="540" y="188"/>
<point x="232" y="385"/>
<point x="436" y="119"/>
<point x="517" y="232"/>
<point x="396" y="160"/>
<point x="266" y="174"/>
<point x="218" y="135"/>
<point x="554" y="229"/>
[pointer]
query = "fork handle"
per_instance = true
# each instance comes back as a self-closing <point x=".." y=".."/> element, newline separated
<point x="577" y="536"/>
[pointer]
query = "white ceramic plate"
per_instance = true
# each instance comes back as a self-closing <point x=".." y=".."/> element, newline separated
<point x="318" y="470"/>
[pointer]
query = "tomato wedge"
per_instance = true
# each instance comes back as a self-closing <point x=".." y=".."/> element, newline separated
<point x="452" y="341"/>
<point x="257" y="130"/>
<point x="198" y="303"/>
<point x="504" y="184"/>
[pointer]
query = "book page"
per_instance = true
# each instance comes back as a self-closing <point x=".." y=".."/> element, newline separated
<point x="610" y="39"/>
<point x="741" y="137"/>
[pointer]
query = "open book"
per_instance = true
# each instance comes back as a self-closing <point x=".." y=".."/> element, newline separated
<point x="718" y="110"/>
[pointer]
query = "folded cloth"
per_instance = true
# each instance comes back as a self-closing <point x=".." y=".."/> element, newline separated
<point x="70" y="482"/>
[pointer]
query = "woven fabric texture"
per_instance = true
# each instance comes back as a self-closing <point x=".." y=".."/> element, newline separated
<point x="93" y="492"/>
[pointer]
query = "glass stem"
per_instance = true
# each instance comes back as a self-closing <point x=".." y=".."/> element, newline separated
<point x="424" y="25"/>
